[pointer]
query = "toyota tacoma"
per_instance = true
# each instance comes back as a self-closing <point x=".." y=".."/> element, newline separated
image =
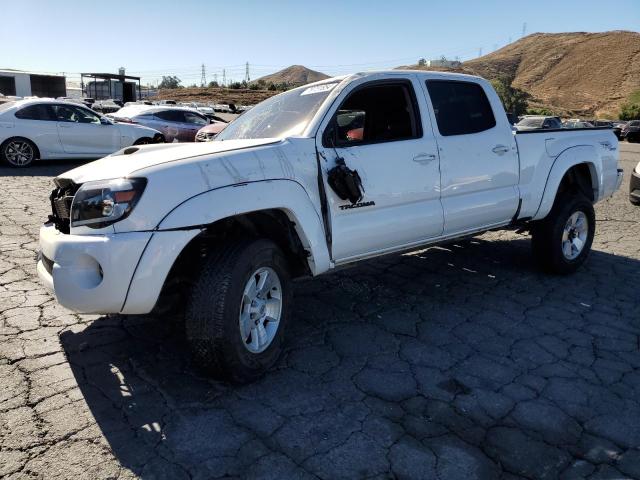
<point x="324" y="175"/>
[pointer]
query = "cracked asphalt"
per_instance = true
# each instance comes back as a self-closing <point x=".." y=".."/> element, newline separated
<point x="452" y="363"/>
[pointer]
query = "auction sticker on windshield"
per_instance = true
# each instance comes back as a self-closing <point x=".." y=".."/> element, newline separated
<point x="319" y="89"/>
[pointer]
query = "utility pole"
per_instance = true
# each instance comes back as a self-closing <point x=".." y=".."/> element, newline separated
<point x="203" y="78"/>
<point x="224" y="77"/>
<point x="247" y="78"/>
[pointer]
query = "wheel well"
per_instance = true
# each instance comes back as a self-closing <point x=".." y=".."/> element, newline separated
<point x="23" y="138"/>
<point x="579" y="178"/>
<point x="272" y="224"/>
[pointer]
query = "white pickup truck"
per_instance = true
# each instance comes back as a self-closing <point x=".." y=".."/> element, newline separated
<point x="324" y="175"/>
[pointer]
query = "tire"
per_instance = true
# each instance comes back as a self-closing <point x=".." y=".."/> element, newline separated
<point x="213" y="314"/>
<point x="18" y="152"/>
<point x="143" y="141"/>
<point x="557" y="241"/>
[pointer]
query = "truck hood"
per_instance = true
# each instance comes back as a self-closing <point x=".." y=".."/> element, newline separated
<point x="125" y="162"/>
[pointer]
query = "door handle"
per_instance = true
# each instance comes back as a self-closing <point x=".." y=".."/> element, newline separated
<point x="500" y="149"/>
<point x="424" y="158"/>
<point x="64" y="125"/>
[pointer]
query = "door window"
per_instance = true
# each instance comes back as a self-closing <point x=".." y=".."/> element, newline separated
<point x="170" y="115"/>
<point x="377" y="113"/>
<point x="68" y="113"/>
<point x="195" y="119"/>
<point x="36" y="112"/>
<point x="460" y="107"/>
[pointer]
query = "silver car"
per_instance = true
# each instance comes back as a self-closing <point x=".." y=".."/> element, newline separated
<point x="176" y="124"/>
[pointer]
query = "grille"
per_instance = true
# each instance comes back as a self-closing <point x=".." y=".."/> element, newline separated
<point x="63" y="206"/>
<point x="61" y="199"/>
<point x="204" y="136"/>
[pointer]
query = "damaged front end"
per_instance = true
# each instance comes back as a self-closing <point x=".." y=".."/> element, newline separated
<point x="61" y="199"/>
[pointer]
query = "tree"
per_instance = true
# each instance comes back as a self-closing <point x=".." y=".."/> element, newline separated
<point x="169" y="82"/>
<point x="213" y="84"/>
<point x="514" y="100"/>
<point x="540" y="111"/>
<point x="422" y="62"/>
<point x="630" y="111"/>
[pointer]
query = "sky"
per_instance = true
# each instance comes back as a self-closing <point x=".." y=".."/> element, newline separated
<point x="175" y="37"/>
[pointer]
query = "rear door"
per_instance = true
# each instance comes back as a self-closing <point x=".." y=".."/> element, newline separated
<point x="169" y="122"/>
<point x="382" y="129"/>
<point x="82" y="133"/>
<point x="478" y="156"/>
<point x="37" y="122"/>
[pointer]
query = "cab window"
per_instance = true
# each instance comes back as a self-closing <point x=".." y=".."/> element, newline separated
<point x="384" y="112"/>
<point x="460" y="107"/>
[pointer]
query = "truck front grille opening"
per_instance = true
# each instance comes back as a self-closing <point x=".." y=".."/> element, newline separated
<point x="61" y="200"/>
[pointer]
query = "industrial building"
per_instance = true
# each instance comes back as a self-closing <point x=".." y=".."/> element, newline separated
<point x="102" y="86"/>
<point x="26" y="84"/>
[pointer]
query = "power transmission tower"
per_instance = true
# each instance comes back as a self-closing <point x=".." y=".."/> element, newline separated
<point x="224" y="77"/>
<point x="203" y="78"/>
<point x="247" y="78"/>
<point x="524" y="29"/>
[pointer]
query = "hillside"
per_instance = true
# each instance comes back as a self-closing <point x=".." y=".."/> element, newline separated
<point x="215" y="95"/>
<point x="294" y="75"/>
<point x="572" y="73"/>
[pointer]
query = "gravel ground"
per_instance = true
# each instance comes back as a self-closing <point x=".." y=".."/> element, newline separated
<point x="460" y="362"/>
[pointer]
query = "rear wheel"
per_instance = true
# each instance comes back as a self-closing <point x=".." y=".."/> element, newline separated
<point x="562" y="241"/>
<point x="18" y="152"/>
<point x="238" y="310"/>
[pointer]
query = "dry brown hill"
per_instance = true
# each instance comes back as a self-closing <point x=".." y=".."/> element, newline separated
<point x="572" y="73"/>
<point x="294" y="75"/>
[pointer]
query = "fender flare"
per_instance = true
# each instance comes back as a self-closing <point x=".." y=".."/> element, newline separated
<point x="582" y="154"/>
<point x="282" y="194"/>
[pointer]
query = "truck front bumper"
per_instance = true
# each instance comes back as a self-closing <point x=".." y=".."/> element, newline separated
<point x="114" y="273"/>
<point x="89" y="273"/>
<point x="634" y="188"/>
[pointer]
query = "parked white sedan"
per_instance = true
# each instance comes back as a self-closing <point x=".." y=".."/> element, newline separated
<point x="50" y="129"/>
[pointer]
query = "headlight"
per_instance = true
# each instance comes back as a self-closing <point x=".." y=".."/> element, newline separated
<point x="98" y="204"/>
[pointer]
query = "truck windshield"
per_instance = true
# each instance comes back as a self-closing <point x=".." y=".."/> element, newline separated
<point x="531" y="122"/>
<point x="284" y="115"/>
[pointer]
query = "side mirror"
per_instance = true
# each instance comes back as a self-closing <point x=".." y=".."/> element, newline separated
<point x="105" y="121"/>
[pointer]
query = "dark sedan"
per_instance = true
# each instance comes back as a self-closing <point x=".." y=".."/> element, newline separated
<point x="176" y="124"/>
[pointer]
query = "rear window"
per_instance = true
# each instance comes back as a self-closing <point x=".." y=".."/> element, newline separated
<point x="460" y="107"/>
<point x="35" y="112"/>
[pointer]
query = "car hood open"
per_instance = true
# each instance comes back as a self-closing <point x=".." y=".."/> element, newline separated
<point x="125" y="162"/>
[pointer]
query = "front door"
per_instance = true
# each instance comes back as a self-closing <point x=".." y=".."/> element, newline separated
<point x="382" y="130"/>
<point x="478" y="156"/>
<point x="82" y="133"/>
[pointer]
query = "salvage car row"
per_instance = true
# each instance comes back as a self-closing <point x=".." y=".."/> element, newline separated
<point x="622" y="130"/>
<point x="53" y="129"/>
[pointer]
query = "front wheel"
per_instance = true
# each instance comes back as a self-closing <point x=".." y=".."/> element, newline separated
<point x="238" y="310"/>
<point x="562" y="241"/>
